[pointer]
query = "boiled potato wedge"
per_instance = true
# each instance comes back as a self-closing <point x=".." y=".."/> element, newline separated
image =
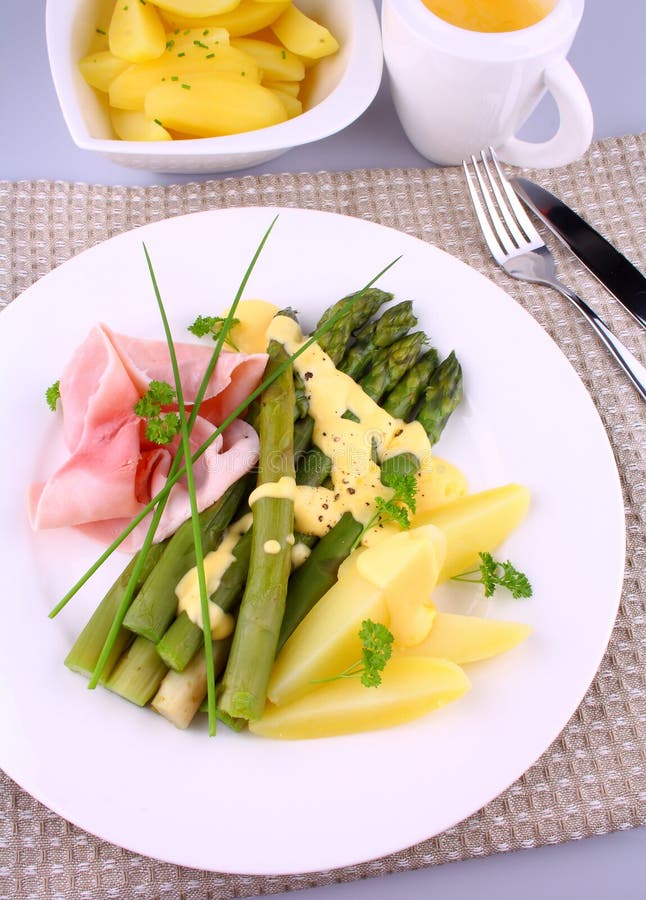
<point x="197" y="9"/>
<point x="302" y="35"/>
<point x="134" y="125"/>
<point x="467" y="639"/>
<point x="474" y="523"/>
<point x="195" y="39"/>
<point x="207" y="106"/>
<point x="275" y="62"/>
<point x="136" y="32"/>
<point x="293" y="106"/>
<point x="442" y="484"/>
<point x="410" y="688"/>
<point x="248" y="17"/>
<point x="128" y="90"/>
<point x="249" y="335"/>
<point x="101" y="68"/>
<point x="390" y="583"/>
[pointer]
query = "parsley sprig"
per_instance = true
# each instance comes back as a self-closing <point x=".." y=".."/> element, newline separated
<point x="52" y="395"/>
<point x="492" y="574"/>
<point x="376" y="650"/>
<point x="213" y="325"/>
<point x="397" y="507"/>
<point x="161" y="427"/>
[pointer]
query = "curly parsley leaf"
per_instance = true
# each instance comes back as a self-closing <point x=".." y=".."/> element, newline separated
<point x="161" y="427"/>
<point x="493" y="574"/>
<point x="212" y="325"/>
<point x="376" y="650"/>
<point x="397" y="507"/>
<point x="52" y="395"/>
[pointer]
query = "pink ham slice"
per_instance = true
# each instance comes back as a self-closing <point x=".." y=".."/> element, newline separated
<point x="112" y="470"/>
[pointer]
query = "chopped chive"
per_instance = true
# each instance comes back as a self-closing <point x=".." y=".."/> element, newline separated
<point x="176" y="31"/>
<point x="210" y="55"/>
<point x="200" y="44"/>
<point x="125" y="8"/>
<point x="174" y="77"/>
<point x="283" y="54"/>
<point x="187" y="31"/>
<point x="186" y="87"/>
<point x="157" y="122"/>
<point x="170" y="44"/>
<point x="100" y="31"/>
<point x="182" y="53"/>
<point x="206" y="31"/>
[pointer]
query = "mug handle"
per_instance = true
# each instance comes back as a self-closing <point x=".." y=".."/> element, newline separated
<point x="575" y="127"/>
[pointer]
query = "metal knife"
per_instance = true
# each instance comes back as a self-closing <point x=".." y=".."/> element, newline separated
<point x="604" y="261"/>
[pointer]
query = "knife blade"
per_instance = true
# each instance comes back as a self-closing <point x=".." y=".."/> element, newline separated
<point x="624" y="281"/>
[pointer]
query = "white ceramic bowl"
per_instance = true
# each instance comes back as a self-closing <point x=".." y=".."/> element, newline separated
<point x="344" y="86"/>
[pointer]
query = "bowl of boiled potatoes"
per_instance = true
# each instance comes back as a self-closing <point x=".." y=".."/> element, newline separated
<point x="207" y="86"/>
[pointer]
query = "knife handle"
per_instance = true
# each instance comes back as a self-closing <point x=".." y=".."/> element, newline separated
<point x="629" y="363"/>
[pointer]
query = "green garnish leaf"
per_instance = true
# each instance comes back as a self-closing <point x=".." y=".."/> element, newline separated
<point x="397" y="507"/>
<point x="52" y="395"/>
<point x="493" y="574"/>
<point x="161" y="428"/>
<point x="376" y="650"/>
<point x="212" y="325"/>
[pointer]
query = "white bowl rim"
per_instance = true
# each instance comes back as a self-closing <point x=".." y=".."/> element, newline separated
<point x="359" y="83"/>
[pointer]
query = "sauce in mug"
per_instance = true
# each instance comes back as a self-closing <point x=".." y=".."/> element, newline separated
<point x="491" y="15"/>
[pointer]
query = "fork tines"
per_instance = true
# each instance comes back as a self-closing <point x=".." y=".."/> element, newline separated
<point x="504" y="223"/>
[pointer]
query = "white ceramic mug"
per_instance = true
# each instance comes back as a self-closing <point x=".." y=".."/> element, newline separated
<point x="458" y="91"/>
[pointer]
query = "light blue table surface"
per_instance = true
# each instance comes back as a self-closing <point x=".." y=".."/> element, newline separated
<point x="609" y="56"/>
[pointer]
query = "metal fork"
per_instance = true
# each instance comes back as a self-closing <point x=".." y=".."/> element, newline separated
<point x="518" y="248"/>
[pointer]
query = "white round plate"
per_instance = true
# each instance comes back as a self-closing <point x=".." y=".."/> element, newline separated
<point x="237" y="803"/>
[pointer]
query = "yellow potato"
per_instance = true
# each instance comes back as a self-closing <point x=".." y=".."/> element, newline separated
<point x="475" y="523"/>
<point x="196" y="39"/>
<point x="287" y="87"/>
<point x="276" y="63"/>
<point x="129" y="89"/>
<point x="134" y="125"/>
<point x="136" y="32"/>
<point x="253" y="316"/>
<point x="303" y="35"/>
<point x="101" y="68"/>
<point x="390" y="584"/>
<point x="467" y="639"/>
<point x="410" y="688"/>
<point x="442" y="484"/>
<point x="195" y="9"/>
<point x="293" y="106"/>
<point x="248" y="17"/>
<point x="207" y="106"/>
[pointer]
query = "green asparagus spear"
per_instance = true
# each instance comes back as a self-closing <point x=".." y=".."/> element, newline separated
<point x="392" y="325"/>
<point x="313" y="468"/>
<point x="87" y="648"/>
<point x="318" y="573"/>
<point x="138" y="673"/>
<point x="156" y="603"/>
<point x="402" y="401"/>
<point x="244" y="683"/>
<point x="390" y="363"/>
<point x="303" y="430"/>
<point x="441" y="397"/>
<point x="336" y="340"/>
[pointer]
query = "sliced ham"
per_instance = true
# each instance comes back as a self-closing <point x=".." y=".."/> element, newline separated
<point x="112" y="470"/>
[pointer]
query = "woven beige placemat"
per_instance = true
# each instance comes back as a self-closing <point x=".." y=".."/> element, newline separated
<point x="593" y="778"/>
